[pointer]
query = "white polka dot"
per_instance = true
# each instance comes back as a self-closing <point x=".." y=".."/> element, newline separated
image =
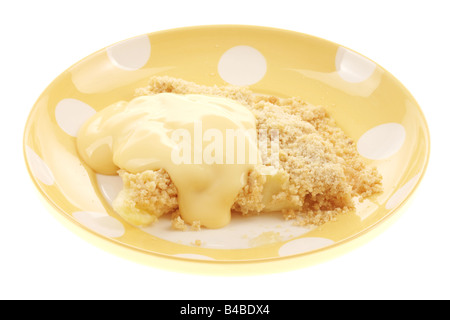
<point x="402" y="193"/>
<point x="353" y="67"/>
<point x="39" y="168"/>
<point x="193" y="256"/>
<point x="382" y="141"/>
<point x="100" y="223"/>
<point x="71" y="114"/>
<point x="241" y="233"/>
<point x="110" y="186"/>
<point x="303" y="245"/>
<point x="242" y="65"/>
<point x="131" y="54"/>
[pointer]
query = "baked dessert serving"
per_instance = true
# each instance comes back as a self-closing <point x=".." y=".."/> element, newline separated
<point x="200" y="152"/>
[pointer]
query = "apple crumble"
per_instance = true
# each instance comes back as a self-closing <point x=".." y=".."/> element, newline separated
<point x="318" y="176"/>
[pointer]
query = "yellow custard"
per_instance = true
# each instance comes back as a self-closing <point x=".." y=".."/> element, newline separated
<point x="207" y="145"/>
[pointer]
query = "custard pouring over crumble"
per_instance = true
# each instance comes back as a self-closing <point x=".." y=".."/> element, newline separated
<point x="319" y="175"/>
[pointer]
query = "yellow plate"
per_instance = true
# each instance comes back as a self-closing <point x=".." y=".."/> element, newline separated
<point x="367" y="102"/>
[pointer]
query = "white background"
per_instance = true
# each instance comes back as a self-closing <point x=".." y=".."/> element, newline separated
<point x="41" y="259"/>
